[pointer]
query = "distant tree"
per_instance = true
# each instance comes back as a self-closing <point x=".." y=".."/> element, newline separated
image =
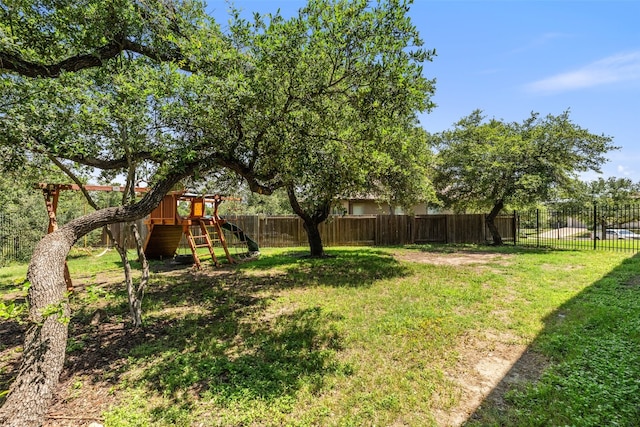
<point x="488" y="164"/>
<point x="24" y="217"/>
<point x="251" y="203"/>
<point x="613" y="197"/>
<point x="613" y="191"/>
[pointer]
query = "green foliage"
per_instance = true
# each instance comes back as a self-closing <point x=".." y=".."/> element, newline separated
<point x="610" y="192"/>
<point x="12" y="310"/>
<point x="58" y="310"/>
<point x="23" y="216"/>
<point x="482" y="163"/>
<point x="257" y="204"/>
<point x="95" y="294"/>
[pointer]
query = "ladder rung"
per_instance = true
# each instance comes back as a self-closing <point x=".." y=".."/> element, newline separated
<point x="202" y="246"/>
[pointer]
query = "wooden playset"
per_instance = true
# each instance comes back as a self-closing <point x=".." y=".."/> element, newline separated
<point x="166" y="227"/>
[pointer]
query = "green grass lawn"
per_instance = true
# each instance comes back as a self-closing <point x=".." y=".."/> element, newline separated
<point x="373" y="336"/>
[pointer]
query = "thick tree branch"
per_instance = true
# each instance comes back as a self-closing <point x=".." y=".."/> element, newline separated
<point x="17" y="64"/>
<point x="253" y="180"/>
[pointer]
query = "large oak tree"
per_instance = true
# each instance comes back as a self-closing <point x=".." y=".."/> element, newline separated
<point x="324" y="106"/>
<point x="489" y="164"/>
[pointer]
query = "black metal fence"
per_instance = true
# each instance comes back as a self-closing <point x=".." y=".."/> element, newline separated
<point x="16" y="240"/>
<point x="612" y="228"/>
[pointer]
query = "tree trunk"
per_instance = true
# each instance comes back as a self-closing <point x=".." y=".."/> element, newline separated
<point x="135" y="308"/>
<point x="311" y="221"/>
<point x="491" y="224"/>
<point x="46" y="337"/>
<point x="136" y="317"/>
<point x="135" y="304"/>
<point x="136" y="294"/>
<point x="314" y="238"/>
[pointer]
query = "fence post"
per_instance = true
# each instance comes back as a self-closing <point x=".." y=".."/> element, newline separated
<point x="413" y="230"/>
<point x="537" y="228"/>
<point x="515" y="228"/>
<point x="595" y="229"/>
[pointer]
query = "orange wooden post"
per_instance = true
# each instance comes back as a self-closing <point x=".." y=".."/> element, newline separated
<point x="217" y="199"/>
<point x="51" y="194"/>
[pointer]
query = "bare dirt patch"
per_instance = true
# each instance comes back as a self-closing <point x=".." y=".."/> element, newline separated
<point x="488" y="366"/>
<point x="632" y="282"/>
<point x="455" y="258"/>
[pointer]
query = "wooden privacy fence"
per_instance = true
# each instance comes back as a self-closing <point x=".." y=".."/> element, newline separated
<point x="284" y="231"/>
<point x="374" y="230"/>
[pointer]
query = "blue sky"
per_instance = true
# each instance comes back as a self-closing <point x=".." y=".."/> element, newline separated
<point x="509" y="58"/>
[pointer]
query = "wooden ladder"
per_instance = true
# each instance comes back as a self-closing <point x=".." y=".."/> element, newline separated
<point x="201" y="241"/>
<point x="213" y="228"/>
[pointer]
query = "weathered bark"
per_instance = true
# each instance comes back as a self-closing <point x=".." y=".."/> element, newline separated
<point x="135" y="305"/>
<point x="311" y="222"/>
<point x="491" y="224"/>
<point x="136" y="318"/>
<point x="136" y="294"/>
<point x="314" y="238"/>
<point x="46" y="337"/>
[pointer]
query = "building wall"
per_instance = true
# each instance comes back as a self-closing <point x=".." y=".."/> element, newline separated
<point x="371" y="207"/>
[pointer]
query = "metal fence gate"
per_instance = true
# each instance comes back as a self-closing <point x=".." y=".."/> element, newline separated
<point x="613" y="228"/>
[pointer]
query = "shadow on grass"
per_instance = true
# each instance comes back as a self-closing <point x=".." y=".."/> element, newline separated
<point x="11" y="338"/>
<point x="345" y="268"/>
<point x="209" y="334"/>
<point x="230" y="360"/>
<point x="221" y="348"/>
<point x="583" y="368"/>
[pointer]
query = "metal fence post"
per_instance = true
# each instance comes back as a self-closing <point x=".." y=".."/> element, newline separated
<point x="515" y="228"/>
<point x="595" y="229"/>
<point x="537" y="228"/>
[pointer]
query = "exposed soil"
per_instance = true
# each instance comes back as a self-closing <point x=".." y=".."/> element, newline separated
<point x="487" y="366"/>
<point x="456" y="258"/>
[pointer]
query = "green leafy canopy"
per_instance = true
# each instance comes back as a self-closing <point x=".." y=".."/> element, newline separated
<point x="482" y="163"/>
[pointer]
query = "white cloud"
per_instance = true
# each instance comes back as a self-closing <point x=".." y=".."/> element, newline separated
<point x="622" y="67"/>
<point x="624" y="171"/>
